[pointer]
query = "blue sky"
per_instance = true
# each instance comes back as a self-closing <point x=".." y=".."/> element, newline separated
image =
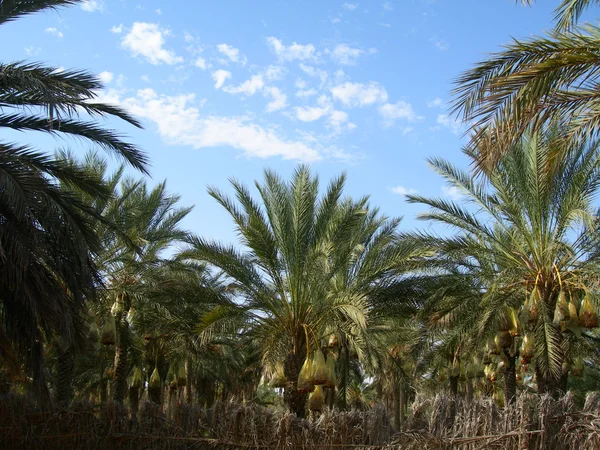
<point x="227" y="88"/>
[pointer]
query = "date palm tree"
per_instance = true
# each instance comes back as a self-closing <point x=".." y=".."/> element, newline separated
<point x="533" y="229"/>
<point x="290" y="282"/>
<point x="148" y="224"/>
<point x="47" y="241"/>
<point x="533" y="82"/>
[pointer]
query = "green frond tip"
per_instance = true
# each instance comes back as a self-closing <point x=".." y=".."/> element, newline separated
<point x="569" y="12"/>
<point x="13" y="9"/>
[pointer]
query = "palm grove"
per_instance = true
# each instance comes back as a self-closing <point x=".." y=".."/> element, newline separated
<point x="323" y="302"/>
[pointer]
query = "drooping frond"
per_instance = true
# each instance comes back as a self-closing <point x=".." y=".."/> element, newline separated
<point x="13" y="9"/>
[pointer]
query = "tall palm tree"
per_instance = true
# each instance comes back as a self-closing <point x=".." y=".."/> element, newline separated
<point x="535" y="229"/>
<point x="532" y="82"/>
<point x="46" y="238"/>
<point x="136" y="226"/>
<point x="285" y="279"/>
<point x="149" y="224"/>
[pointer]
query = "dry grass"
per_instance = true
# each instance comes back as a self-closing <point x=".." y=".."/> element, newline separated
<point x="433" y="423"/>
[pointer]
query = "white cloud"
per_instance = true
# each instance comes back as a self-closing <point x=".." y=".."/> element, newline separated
<point x="232" y="53"/>
<point x="145" y="78"/>
<point x="274" y="72"/>
<point x="350" y="6"/>
<point x="306" y="93"/>
<point x="440" y="44"/>
<point x="387" y="5"/>
<point x="399" y="110"/>
<point x="401" y="190"/>
<point x="336" y="20"/>
<point x="323" y="109"/>
<point x="292" y="52"/>
<point x="54" y="31"/>
<point x="451" y="192"/>
<point x="310" y="113"/>
<point x="279" y="99"/>
<point x="455" y="126"/>
<point x="338" y="118"/>
<point x="249" y="87"/>
<point x="106" y="77"/>
<point x="435" y="103"/>
<point x="147" y="40"/>
<point x="179" y="123"/>
<point x="158" y="11"/>
<point x="32" y="51"/>
<point x="344" y="54"/>
<point x="359" y="94"/>
<point x="311" y="71"/>
<point x="220" y="76"/>
<point x="92" y="5"/>
<point x="117" y="29"/>
<point x="200" y="63"/>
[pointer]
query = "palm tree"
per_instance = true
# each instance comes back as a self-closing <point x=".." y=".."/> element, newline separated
<point x="533" y="82"/>
<point x="534" y="234"/>
<point x="177" y="295"/>
<point x="148" y="221"/>
<point x="46" y="238"/>
<point x="291" y="282"/>
<point x="135" y="227"/>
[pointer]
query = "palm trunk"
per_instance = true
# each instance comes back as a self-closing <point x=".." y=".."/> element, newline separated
<point x="402" y="403"/>
<point x="551" y="385"/>
<point x="154" y="394"/>
<point x="469" y="384"/>
<point x="134" y="401"/>
<point x="510" y="379"/>
<point x="188" y="381"/>
<point x="121" y="352"/>
<point x="397" y="413"/>
<point x="64" y="381"/>
<point x="454" y="385"/>
<point x="40" y="377"/>
<point x="295" y="400"/>
<point x="345" y="373"/>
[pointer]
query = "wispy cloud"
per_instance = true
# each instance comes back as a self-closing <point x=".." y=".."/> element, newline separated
<point x="249" y="87"/>
<point x="278" y="99"/>
<point x="200" y="63"/>
<point x="92" y="5"/>
<point x="435" y="103"/>
<point x="220" y="76"/>
<point x="359" y="94"/>
<point x="455" y="126"/>
<point x="452" y="192"/>
<point x="147" y="40"/>
<point x="293" y="52"/>
<point x="232" y="53"/>
<point x="401" y="190"/>
<point x="179" y="122"/>
<point x="106" y="77"/>
<point x="350" y="6"/>
<point x="399" y="110"/>
<point x="440" y="44"/>
<point x="55" y="32"/>
<point x="346" y="55"/>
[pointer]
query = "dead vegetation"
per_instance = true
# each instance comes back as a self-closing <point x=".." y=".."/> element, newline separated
<point x="433" y="423"/>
